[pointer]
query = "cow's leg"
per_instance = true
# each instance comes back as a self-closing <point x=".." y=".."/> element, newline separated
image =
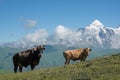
<point x="67" y="61"/>
<point x="20" y="68"/>
<point x="80" y="60"/>
<point x="15" y="68"/>
<point x="83" y="58"/>
<point x="32" y="67"/>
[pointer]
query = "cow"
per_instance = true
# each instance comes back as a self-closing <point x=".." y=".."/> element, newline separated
<point x="29" y="57"/>
<point x="77" y="54"/>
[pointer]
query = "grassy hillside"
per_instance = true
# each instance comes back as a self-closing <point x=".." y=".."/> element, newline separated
<point x="106" y="68"/>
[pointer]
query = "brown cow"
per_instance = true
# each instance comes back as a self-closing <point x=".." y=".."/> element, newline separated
<point x="77" y="54"/>
<point x="29" y="57"/>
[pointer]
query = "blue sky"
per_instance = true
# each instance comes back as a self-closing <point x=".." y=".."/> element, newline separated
<point x="20" y="17"/>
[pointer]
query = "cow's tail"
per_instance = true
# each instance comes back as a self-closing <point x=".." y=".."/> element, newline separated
<point x="64" y="54"/>
<point x="15" y="59"/>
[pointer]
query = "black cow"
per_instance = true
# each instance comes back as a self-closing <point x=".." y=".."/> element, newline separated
<point x="29" y="57"/>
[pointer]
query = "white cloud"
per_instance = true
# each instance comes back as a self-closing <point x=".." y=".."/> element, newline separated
<point x="38" y="37"/>
<point x="61" y="35"/>
<point x="61" y="32"/>
<point x="28" y="23"/>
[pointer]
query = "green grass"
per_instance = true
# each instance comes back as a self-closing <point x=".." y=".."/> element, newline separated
<point x="107" y="68"/>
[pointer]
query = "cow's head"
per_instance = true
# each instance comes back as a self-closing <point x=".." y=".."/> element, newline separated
<point x="42" y="47"/>
<point x="87" y="51"/>
<point x="39" y="49"/>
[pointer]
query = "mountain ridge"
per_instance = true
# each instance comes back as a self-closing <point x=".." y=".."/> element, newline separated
<point x="95" y="34"/>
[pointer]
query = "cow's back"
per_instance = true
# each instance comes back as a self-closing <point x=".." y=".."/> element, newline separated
<point x="26" y="53"/>
<point x="73" y="53"/>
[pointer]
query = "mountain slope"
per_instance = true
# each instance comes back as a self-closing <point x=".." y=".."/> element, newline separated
<point x="107" y="68"/>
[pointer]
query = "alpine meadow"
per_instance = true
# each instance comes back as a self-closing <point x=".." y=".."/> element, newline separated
<point x="59" y="39"/>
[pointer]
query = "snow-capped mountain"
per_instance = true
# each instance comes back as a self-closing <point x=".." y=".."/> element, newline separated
<point x="95" y="34"/>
